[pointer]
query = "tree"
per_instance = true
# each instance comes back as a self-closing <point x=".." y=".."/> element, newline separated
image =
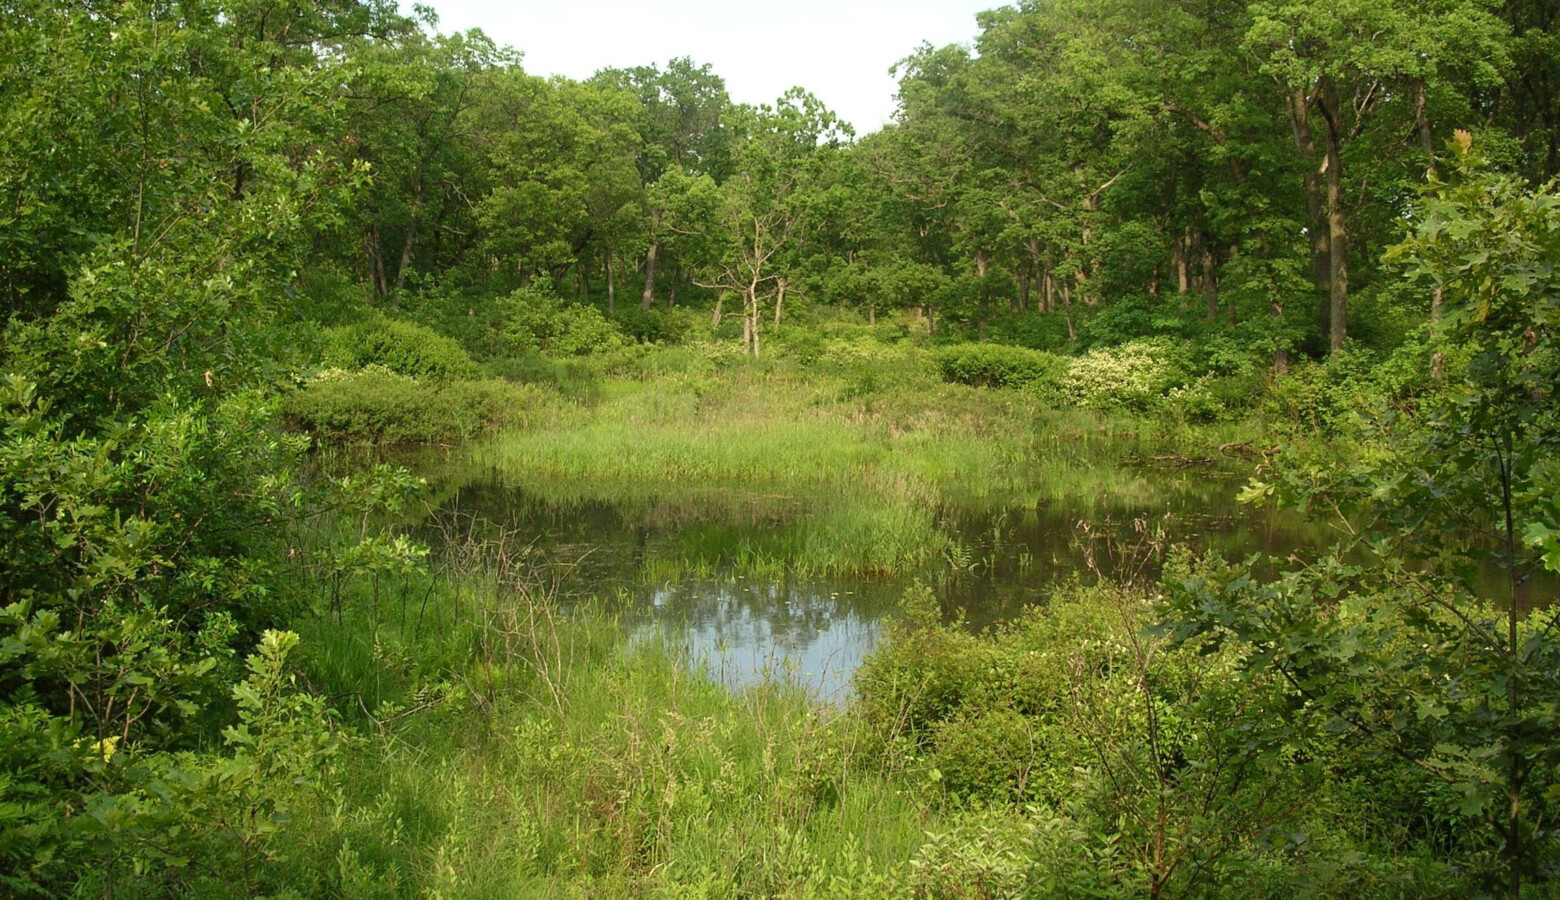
<point x="759" y="210"/>
<point x="1401" y="649"/>
<point x="1340" y="67"/>
<point x="411" y="121"/>
<point x="682" y="128"/>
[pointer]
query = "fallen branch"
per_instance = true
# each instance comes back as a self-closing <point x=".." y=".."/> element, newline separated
<point x="1172" y="460"/>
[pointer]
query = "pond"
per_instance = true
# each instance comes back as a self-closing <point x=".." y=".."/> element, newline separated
<point x="683" y="565"/>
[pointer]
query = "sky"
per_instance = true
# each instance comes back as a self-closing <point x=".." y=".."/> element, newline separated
<point x="841" y="50"/>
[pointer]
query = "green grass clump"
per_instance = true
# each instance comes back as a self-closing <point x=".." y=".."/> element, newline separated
<point x="844" y="474"/>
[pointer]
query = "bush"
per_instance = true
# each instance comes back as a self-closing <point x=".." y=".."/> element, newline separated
<point x="376" y="405"/>
<point x="1034" y="330"/>
<point x="1132" y="377"/>
<point x="573" y="378"/>
<point x="805" y="345"/>
<point x="540" y="321"/>
<point x="999" y="365"/>
<point x="988" y="755"/>
<point x="1324" y="397"/>
<point x="657" y="326"/>
<point x="404" y="348"/>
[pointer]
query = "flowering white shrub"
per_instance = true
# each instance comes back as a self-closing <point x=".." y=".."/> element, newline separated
<point x="1132" y="376"/>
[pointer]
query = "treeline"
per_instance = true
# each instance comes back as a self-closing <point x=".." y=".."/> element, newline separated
<point x="1087" y="171"/>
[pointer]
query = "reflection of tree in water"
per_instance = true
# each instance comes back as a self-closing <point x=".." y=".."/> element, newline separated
<point x="608" y="542"/>
<point x="748" y="630"/>
<point x="794" y="610"/>
<point x="1008" y="555"/>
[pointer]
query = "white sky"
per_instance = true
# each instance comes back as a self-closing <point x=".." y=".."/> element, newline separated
<point x="841" y="50"/>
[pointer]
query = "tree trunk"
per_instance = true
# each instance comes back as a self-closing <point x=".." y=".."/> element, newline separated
<point x="981" y="300"/>
<point x="1023" y="290"/>
<point x="720" y="301"/>
<point x="750" y="320"/>
<point x="406" y="243"/>
<point x="1427" y="144"/>
<point x="1178" y="260"/>
<point x="1210" y="278"/>
<point x="406" y="255"/>
<point x="779" y="301"/>
<point x="1321" y="248"/>
<point x="648" y="300"/>
<point x="1072" y="332"/>
<point x="611" y="285"/>
<point x="677" y="277"/>
<point x="1422" y="125"/>
<point x="1337" y="226"/>
<point x="376" y="262"/>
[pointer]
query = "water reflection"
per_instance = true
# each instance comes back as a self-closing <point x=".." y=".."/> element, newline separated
<point x="746" y="631"/>
<point x="668" y="565"/>
<point x="1000" y="559"/>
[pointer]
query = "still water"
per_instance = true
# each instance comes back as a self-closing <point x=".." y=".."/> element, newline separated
<point x="747" y="626"/>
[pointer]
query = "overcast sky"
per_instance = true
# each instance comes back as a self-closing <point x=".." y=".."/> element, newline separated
<point x="841" y="50"/>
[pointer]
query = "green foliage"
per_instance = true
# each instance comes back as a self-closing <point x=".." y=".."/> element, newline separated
<point x="190" y="196"/>
<point x="1150" y="769"/>
<point x="657" y="326"/>
<point x="376" y="405"/>
<point x="999" y="365"/>
<point x="1387" y="635"/>
<point x="538" y="321"/>
<point x="1324" y="397"/>
<point x="403" y="348"/>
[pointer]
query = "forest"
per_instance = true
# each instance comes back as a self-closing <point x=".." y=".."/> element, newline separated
<point x="1133" y="471"/>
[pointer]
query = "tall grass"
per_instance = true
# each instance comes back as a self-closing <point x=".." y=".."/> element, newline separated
<point x="850" y="478"/>
<point x="508" y="751"/>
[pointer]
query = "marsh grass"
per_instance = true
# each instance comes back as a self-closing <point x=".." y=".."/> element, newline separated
<point x="508" y="751"/>
<point x="842" y="481"/>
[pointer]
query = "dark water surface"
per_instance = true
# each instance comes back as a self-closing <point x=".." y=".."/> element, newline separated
<point x="746" y="626"/>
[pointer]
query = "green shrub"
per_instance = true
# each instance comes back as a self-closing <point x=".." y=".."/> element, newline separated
<point x="1201" y="402"/>
<point x="573" y="378"/>
<point x="921" y="678"/>
<point x="540" y="321"/>
<point x="1324" y="397"/>
<point x="1033" y="330"/>
<point x="404" y="348"/>
<point x="805" y="345"/>
<point x="657" y="326"/>
<point x="988" y="755"/>
<point x="999" y="365"/>
<point x="376" y="405"/>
